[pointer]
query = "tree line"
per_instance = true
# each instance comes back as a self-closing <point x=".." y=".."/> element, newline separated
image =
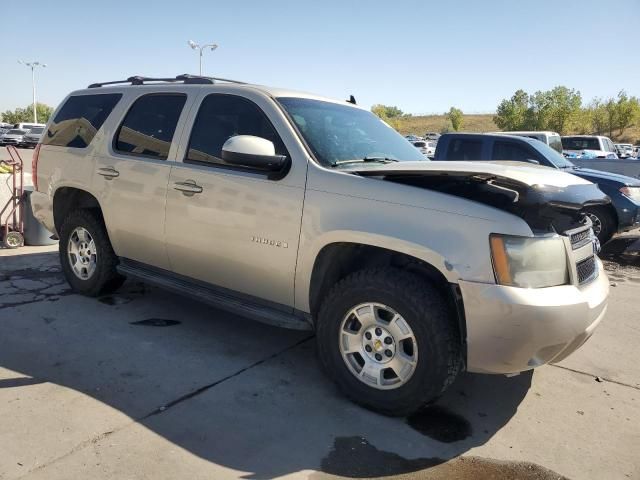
<point x="22" y="115"/>
<point x="561" y="109"/>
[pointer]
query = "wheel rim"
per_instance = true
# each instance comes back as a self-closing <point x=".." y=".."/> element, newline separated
<point x="14" y="239"/>
<point x="596" y="223"/>
<point x="378" y="346"/>
<point x="81" y="252"/>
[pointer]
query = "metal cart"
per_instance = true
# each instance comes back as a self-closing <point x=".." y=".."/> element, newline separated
<point x="11" y="215"/>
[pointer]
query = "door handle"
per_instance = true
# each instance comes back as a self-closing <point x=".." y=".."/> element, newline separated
<point x="188" y="187"/>
<point x="108" y="172"/>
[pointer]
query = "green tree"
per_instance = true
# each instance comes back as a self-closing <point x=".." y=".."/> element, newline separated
<point x="26" y="114"/>
<point x="456" y="117"/>
<point x="562" y="107"/>
<point x="386" y="112"/>
<point x="511" y="114"/>
<point x="598" y="113"/>
<point x="627" y="111"/>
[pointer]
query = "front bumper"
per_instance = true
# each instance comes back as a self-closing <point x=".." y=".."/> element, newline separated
<point x="510" y="330"/>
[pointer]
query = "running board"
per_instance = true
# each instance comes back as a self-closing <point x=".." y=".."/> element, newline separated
<point x="295" y="320"/>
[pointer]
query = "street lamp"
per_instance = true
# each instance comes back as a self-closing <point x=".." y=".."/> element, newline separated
<point x="32" y="66"/>
<point x="196" y="46"/>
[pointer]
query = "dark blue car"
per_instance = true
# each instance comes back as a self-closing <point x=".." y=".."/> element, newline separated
<point x="622" y="215"/>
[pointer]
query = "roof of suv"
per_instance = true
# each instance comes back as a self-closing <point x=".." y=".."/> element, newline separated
<point x="188" y="82"/>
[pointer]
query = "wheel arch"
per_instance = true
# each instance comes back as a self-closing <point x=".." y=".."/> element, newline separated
<point x="66" y="198"/>
<point x="337" y="260"/>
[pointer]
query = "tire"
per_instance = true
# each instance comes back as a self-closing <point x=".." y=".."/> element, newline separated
<point x="607" y="223"/>
<point x="101" y="277"/>
<point x="425" y="311"/>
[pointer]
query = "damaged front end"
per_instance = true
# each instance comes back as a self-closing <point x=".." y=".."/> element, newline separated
<point x="545" y="208"/>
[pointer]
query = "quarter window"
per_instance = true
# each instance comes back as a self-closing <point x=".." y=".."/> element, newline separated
<point x="148" y="128"/>
<point x="79" y="120"/>
<point x="221" y="117"/>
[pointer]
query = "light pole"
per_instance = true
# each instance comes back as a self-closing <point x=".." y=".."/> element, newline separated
<point x="32" y="66"/>
<point x="196" y="46"/>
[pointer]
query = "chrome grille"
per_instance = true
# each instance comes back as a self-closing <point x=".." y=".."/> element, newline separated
<point x="581" y="238"/>
<point x="586" y="269"/>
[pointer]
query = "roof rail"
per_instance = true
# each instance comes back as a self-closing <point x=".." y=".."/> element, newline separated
<point x="185" y="78"/>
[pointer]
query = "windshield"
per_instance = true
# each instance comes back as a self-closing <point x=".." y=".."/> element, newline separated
<point x="550" y="154"/>
<point x="16" y="131"/>
<point x="36" y="130"/>
<point x="580" y="143"/>
<point x="337" y="133"/>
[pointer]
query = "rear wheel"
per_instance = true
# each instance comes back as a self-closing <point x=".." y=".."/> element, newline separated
<point x="87" y="259"/>
<point x="604" y="225"/>
<point x="388" y="340"/>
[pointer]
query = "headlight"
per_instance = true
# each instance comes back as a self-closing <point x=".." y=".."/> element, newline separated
<point x="631" y="192"/>
<point x="529" y="262"/>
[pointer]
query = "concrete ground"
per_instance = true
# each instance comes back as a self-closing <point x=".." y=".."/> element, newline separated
<point x="146" y="384"/>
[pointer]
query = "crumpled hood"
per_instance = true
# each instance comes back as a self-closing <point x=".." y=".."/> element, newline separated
<point x="547" y="199"/>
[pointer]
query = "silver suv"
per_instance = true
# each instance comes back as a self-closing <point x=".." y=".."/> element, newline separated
<point x="311" y="213"/>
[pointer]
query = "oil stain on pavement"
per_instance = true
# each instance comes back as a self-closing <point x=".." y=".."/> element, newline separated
<point x="440" y="424"/>
<point x="355" y="457"/>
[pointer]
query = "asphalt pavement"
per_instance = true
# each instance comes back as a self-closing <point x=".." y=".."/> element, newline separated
<point x="145" y="384"/>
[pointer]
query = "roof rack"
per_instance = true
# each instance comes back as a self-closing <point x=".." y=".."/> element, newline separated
<point x="185" y="78"/>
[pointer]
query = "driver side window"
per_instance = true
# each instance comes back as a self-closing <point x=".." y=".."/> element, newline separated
<point x="221" y="117"/>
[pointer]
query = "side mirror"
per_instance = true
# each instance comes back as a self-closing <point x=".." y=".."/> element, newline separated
<point x="253" y="152"/>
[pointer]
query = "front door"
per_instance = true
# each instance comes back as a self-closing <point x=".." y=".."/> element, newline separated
<point x="234" y="227"/>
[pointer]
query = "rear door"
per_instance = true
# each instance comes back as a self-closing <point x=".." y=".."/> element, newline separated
<point x="235" y="228"/>
<point x="132" y="172"/>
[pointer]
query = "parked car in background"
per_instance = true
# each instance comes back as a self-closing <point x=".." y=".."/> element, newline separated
<point x="621" y="215"/>
<point x="431" y="136"/>
<point x="28" y="126"/>
<point x="13" y="137"/>
<point x="413" y="138"/>
<point x="408" y="271"/>
<point x="624" y="150"/>
<point x="32" y="137"/>
<point x="428" y="149"/>
<point x="599" y="146"/>
<point x="550" y="138"/>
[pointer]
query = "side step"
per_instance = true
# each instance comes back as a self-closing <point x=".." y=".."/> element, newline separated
<point x="215" y="297"/>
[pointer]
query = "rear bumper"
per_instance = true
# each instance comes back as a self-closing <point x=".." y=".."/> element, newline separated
<point x="510" y="330"/>
<point x="42" y="208"/>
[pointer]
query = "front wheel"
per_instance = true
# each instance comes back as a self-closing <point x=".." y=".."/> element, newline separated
<point x="388" y="340"/>
<point x="87" y="259"/>
<point x="603" y="223"/>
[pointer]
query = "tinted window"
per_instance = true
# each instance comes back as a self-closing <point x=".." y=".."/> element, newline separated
<point x="221" y="117"/>
<point x="79" y="120"/>
<point x="555" y="143"/>
<point x="149" y="126"/>
<point x="580" y="143"/>
<point x="462" y="149"/>
<point x="512" y="151"/>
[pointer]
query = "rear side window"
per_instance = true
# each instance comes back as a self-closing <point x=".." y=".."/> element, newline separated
<point x="462" y="149"/>
<point x="512" y="151"/>
<point x="79" y="120"/>
<point x="148" y="128"/>
<point x="221" y="117"/>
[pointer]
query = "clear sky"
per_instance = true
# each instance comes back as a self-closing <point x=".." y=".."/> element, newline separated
<point x="422" y="56"/>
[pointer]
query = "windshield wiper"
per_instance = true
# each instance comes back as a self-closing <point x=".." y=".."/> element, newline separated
<point x="365" y="160"/>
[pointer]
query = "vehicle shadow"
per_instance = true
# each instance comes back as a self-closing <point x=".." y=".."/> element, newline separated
<point x="236" y="393"/>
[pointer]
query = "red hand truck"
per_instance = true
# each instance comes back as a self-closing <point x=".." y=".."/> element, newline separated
<point x="11" y="215"/>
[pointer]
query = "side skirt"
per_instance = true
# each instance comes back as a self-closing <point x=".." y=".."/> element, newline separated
<point x="240" y="304"/>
